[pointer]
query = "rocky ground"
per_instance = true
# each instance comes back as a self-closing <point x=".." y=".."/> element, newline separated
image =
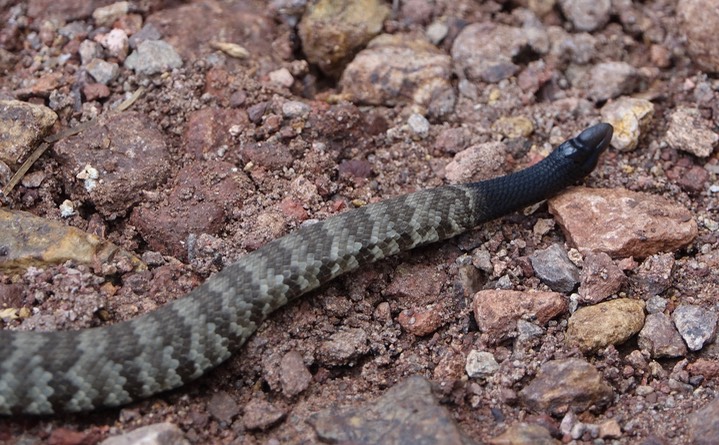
<point x="182" y="135"/>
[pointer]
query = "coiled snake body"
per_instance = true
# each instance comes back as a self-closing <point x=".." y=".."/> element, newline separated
<point x="51" y="372"/>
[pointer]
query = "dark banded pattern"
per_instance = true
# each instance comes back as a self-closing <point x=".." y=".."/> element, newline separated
<point x="50" y="372"/>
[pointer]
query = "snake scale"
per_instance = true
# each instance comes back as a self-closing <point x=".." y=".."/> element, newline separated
<point x="53" y="372"/>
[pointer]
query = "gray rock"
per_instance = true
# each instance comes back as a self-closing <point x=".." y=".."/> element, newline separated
<point x="586" y="15"/>
<point x="480" y="364"/>
<point x="418" y="125"/>
<point x="152" y="57"/>
<point x="612" y="79"/>
<point x="157" y="434"/>
<point x="294" y="108"/>
<point x="555" y="269"/>
<point x="103" y="72"/>
<point x="695" y="324"/>
<point x="344" y="347"/>
<point x="660" y="338"/>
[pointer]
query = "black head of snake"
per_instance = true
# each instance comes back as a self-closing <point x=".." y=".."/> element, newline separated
<point x="51" y="372"/>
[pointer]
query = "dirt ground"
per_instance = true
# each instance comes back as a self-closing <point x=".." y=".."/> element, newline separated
<point x="226" y="151"/>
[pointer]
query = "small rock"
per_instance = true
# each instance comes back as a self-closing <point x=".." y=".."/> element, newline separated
<point x="610" y="429"/>
<point x="660" y="338"/>
<point x="582" y="387"/>
<point x="513" y="127"/>
<point x="294" y="375"/>
<point x="694" y="179"/>
<point x="586" y="15"/>
<point x="115" y="42"/>
<point x="690" y="132"/>
<point x="294" y="108"/>
<point x="608" y="323"/>
<point x="696" y="325"/>
<point x="407" y="413"/>
<point x="452" y="140"/>
<point x="281" y="77"/>
<point x="94" y="91"/>
<point x="152" y="57"/>
<point x="525" y="434"/>
<point x="223" y="407"/>
<point x="497" y="311"/>
<point x="698" y="22"/>
<point x="612" y="79"/>
<point x="400" y="69"/>
<point x="485" y="51"/>
<point x="22" y="124"/>
<point x="600" y="278"/>
<point x="703" y="425"/>
<point x="148" y="32"/>
<point x="206" y="131"/>
<point x="103" y="72"/>
<point x="33" y="179"/>
<point x="480" y="364"/>
<point x="656" y="304"/>
<point x="344" y="347"/>
<point x="418" y="125"/>
<point x="157" y="434"/>
<point x="477" y="162"/>
<point x="436" y="32"/>
<point x="553" y="266"/>
<point x="89" y="51"/>
<point x="708" y="369"/>
<point x="261" y="415"/>
<point x="654" y="275"/>
<point x="622" y="223"/>
<point x="332" y="31"/>
<point x="421" y="322"/>
<point x="630" y="118"/>
<point x="106" y="15"/>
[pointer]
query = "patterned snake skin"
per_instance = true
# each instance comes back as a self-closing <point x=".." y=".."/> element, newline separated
<point x="52" y="372"/>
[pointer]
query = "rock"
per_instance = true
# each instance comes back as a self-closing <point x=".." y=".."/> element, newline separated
<point x="485" y="51"/>
<point x="622" y="223"/>
<point x="106" y="15"/>
<point x="480" y="364"/>
<point x="689" y="131"/>
<point x="693" y="180"/>
<point x="610" y="429"/>
<point x="261" y="415"/>
<point x="586" y="15"/>
<point x="600" y="278"/>
<point x="103" y="72"/>
<point x="707" y="369"/>
<point x="344" y="347"/>
<point x="608" y="80"/>
<point x="332" y="31"/>
<point x="206" y="132"/>
<point x="22" y="125"/>
<point x="418" y="125"/>
<point x="452" y="140"/>
<point x="656" y="304"/>
<point x="157" y="434"/>
<point x="223" y="407"/>
<point x="477" y="162"/>
<point x="110" y="164"/>
<point x="407" y="413"/>
<point x="513" y="127"/>
<point x="592" y="328"/>
<point x="294" y="375"/>
<point x="696" y="325"/>
<point x="654" y="275"/>
<point x="281" y="77"/>
<point x="497" y="311"/>
<point x="524" y="434"/>
<point x="399" y="69"/>
<point x="555" y="269"/>
<point x="153" y="57"/>
<point x="421" y="322"/>
<point x="660" y="338"/>
<point x="566" y="384"/>
<point x="630" y="118"/>
<point x="295" y="109"/>
<point x="698" y="22"/>
<point x="115" y="43"/>
<point x="703" y="424"/>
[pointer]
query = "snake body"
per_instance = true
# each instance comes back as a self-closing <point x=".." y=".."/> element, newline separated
<point x="52" y="372"/>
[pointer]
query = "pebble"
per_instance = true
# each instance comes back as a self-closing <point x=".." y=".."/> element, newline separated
<point x="22" y="124"/>
<point x="524" y="434"/>
<point x="696" y="325"/>
<point x="622" y="223"/>
<point x="654" y="275"/>
<point x="689" y="131"/>
<point x="103" y="72"/>
<point x="421" y="321"/>
<point x="703" y="424"/>
<point x="527" y="330"/>
<point x="115" y="42"/>
<point x="698" y="23"/>
<point x="156" y="434"/>
<point x="332" y="31"/>
<point x="485" y="51"/>
<point x="260" y="414"/>
<point x="293" y="109"/>
<point x="418" y="125"/>
<point x="480" y="364"/>
<point x="344" y="347"/>
<point x="436" y="32"/>
<point x="553" y="266"/>
<point x="89" y="50"/>
<point x="513" y="127"/>
<point x="586" y="15"/>
<point x="408" y="413"/>
<point x="656" y="304"/>
<point x="223" y="407"/>
<point x="400" y="69"/>
<point x="106" y="15"/>
<point x="630" y="118"/>
<point x="582" y="387"/>
<point x="476" y="162"/>
<point x="613" y="322"/>
<point x="497" y="311"/>
<point x="612" y="79"/>
<point x="281" y="77"/>
<point x="294" y="375"/>
<point x="600" y="278"/>
<point x="660" y="338"/>
<point x="153" y="57"/>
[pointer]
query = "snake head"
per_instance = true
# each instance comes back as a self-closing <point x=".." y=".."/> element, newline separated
<point x="584" y="150"/>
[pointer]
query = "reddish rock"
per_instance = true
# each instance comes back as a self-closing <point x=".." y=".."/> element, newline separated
<point x="294" y="375"/>
<point x="261" y="415"/>
<point x="421" y="322"/>
<point x="497" y="311"/>
<point x="94" y="91"/>
<point x="709" y="369"/>
<point x="417" y="281"/>
<point x="600" y="278"/>
<point x="209" y="129"/>
<point x="622" y="223"/>
<point x="223" y="407"/>
<point x="477" y="162"/>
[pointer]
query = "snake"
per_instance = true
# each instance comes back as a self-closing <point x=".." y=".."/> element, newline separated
<point x="45" y="373"/>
